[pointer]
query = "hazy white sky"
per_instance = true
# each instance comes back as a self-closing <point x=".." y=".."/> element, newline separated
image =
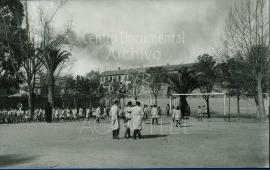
<point x="198" y="23"/>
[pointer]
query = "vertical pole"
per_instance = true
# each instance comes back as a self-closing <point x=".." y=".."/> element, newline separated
<point x="170" y="103"/>
<point x="269" y="60"/>
<point x="170" y="110"/>
<point x="229" y="108"/>
<point x="150" y="96"/>
<point x="268" y="75"/>
<point x="224" y="107"/>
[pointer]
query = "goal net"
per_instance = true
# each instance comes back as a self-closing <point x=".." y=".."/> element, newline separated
<point x="217" y="103"/>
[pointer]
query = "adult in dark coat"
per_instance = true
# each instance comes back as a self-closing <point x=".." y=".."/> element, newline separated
<point x="48" y="112"/>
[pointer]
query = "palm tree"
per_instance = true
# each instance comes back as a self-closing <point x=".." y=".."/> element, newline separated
<point x="183" y="82"/>
<point x="52" y="60"/>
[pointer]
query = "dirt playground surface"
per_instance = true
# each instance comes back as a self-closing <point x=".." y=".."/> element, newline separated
<point x="211" y="143"/>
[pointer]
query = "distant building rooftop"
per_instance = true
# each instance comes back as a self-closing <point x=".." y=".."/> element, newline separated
<point x="139" y="70"/>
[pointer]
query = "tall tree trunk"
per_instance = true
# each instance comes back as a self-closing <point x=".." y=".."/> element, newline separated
<point x="74" y="101"/>
<point x="257" y="106"/>
<point x="90" y="104"/>
<point x="30" y="101"/>
<point x="51" y="90"/>
<point x="85" y="101"/>
<point x="206" y="98"/>
<point x="261" y="108"/>
<point x="238" y="105"/>
<point x="184" y="106"/>
<point x="156" y="100"/>
<point x="208" y="108"/>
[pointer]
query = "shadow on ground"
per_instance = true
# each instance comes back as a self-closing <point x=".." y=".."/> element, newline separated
<point x="14" y="159"/>
<point x="153" y="136"/>
<point x="186" y="125"/>
<point x="149" y="123"/>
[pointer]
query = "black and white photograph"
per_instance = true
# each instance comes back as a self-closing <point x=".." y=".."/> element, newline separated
<point x="134" y="83"/>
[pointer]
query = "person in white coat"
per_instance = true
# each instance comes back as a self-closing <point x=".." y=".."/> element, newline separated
<point x="98" y="114"/>
<point x="136" y="117"/>
<point x="177" y="113"/>
<point x="200" y="113"/>
<point x="56" y="114"/>
<point x="115" y="125"/>
<point x="80" y="113"/>
<point x="127" y="119"/>
<point x="87" y="114"/>
<point x="173" y="113"/>
<point x="146" y="111"/>
<point x="154" y="114"/>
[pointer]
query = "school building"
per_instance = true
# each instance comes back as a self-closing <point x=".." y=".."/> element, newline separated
<point x="123" y="76"/>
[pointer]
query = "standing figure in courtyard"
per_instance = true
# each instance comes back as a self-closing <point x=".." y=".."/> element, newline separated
<point x="115" y="125"/>
<point x="127" y="119"/>
<point x="154" y="114"/>
<point x="137" y="117"/>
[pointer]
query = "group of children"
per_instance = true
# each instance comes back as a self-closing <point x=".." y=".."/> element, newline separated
<point x="133" y="115"/>
<point x="130" y="120"/>
<point x="66" y="114"/>
<point x="154" y="111"/>
<point x="73" y="114"/>
<point x="19" y="116"/>
<point x="79" y="114"/>
<point x="176" y="115"/>
<point x="201" y="111"/>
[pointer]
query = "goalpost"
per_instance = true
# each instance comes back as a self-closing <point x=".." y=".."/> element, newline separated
<point x="203" y="94"/>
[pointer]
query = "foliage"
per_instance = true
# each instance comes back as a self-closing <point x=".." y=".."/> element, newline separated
<point x="257" y="60"/>
<point x="206" y="64"/>
<point x="87" y="88"/>
<point x="234" y="76"/>
<point x="52" y="59"/>
<point x="185" y="81"/>
<point x="136" y="87"/>
<point x="247" y="34"/>
<point x="11" y="17"/>
<point x="156" y="80"/>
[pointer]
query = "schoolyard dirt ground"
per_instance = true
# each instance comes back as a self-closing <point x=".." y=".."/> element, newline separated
<point x="211" y="143"/>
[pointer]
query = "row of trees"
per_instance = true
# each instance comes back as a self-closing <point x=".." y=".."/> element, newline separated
<point x="232" y="75"/>
<point x="247" y="41"/>
<point x="202" y="75"/>
<point x="87" y="88"/>
<point x="244" y="69"/>
<point x="27" y="49"/>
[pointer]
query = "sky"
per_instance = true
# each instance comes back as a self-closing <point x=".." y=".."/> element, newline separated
<point x="142" y="32"/>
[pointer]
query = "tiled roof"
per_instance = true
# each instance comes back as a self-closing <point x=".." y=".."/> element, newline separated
<point x="139" y="70"/>
<point x="121" y="72"/>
